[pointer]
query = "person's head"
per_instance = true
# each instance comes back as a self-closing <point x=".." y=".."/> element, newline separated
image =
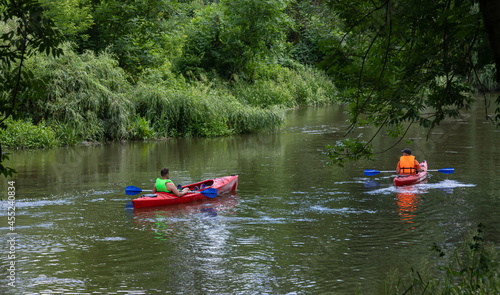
<point x="164" y="172"/>
<point x="406" y="151"/>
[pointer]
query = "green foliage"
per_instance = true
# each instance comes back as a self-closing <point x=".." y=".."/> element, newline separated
<point x="353" y="149"/>
<point x="243" y="119"/>
<point x="484" y="77"/>
<point x="27" y="31"/>
<point x="264" y="93"/>
<point x="23" y="134"/>
<point x="88" y="92"/>
<point x="472" y="268"/>
<point x="309" y="86"/>
<point x="213" y="68"/>
<point x="72" y="17"/>
<point x="66" y="134"/>
<point x="285" y="87"/>
<point x="402" y="62"/>
<point x="313" y="23"/>
<point x="24" y="31"/>
<point x="6" y="171"/>
<point x="253" y="30"/>
<point x="233" y="36"/>
<point x="199" y="110"/>
<point x="140" y="129"/>
<point x="142" y="34"/>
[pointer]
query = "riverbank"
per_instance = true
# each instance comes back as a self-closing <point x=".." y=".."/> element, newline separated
<point x="89" y="98"/>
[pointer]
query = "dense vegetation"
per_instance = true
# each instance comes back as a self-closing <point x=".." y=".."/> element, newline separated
<point x="148" y="69"/>
<point x="97" y="70"/>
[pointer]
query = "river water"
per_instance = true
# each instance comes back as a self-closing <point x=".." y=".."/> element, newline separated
<point x="294" y="226"/>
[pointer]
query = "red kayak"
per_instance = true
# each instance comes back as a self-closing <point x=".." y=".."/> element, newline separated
<point x="411" y="179"/>
<point x="209" y="188"/>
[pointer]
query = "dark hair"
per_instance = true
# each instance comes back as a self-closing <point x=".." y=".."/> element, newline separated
<point x="164" y="172"/>
<point x="406" y="151"/>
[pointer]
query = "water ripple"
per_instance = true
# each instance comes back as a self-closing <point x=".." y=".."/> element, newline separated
<point x="421" y="188"/>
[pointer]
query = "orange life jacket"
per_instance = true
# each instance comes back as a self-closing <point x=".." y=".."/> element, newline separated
<point x="407" y="165"/>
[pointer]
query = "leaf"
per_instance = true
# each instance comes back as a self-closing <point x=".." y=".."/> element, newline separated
<point x="426" y="123"/>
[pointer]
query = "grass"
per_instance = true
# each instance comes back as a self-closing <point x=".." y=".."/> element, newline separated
<point x="24" y="134"/>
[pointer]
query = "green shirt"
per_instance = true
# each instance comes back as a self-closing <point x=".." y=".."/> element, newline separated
<point x="161" y="185"/>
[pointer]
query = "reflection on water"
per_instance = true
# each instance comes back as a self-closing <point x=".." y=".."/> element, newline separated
<point x="164" y="221"/>
<point x="408" y="199"/>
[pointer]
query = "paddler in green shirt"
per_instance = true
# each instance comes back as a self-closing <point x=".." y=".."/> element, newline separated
<point x="164" y="184"/>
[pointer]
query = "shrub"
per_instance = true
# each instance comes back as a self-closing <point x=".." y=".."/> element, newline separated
<point x="23" y="134"/>
<point x="88" y="92"/>
<point x="180" y="112"/>
<point x="200" y="109"/>
<point x="141" y="129"/>
<point x="286" y="87"/>
<point x="66" y="134"/>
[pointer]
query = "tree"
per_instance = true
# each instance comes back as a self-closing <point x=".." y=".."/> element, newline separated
<point x="490" y="10"/>
<point x="24" y="31"/>
<point x="235" y="35"/>
<point x="398" y="59"/>
<point x="137" y="31"/>
<point x="72" y="17"/>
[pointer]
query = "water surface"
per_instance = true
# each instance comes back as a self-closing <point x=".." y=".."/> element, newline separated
<point x="295" y="225"/>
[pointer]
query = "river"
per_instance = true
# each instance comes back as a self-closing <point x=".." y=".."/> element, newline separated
<point x="294" y="226"/>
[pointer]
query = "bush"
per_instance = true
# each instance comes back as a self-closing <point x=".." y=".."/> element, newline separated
<point x="23" y="134"/>
<point x="286" y="87"/>
<point x="140" y="129"/>
<point x="250" y="119"/>
<point x="200" y="109"/>
<point x="66" y="134"/>
<point x="87" y="92"/>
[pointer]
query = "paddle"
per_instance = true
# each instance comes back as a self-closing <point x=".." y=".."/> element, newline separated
<point x="134" y="190"/>
<point x="210" y="192"/>
<point x="370" y="172"/>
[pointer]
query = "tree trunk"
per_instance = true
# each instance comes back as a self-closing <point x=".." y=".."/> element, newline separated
<point x="490" y="9"/>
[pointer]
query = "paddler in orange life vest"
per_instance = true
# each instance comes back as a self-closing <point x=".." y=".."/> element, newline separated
<point x="407" y="164"/>
<point x="164" y="184"/>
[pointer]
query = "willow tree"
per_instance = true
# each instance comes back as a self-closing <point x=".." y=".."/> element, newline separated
<point x="397" y="58"/>
<point x="24" y="30"/>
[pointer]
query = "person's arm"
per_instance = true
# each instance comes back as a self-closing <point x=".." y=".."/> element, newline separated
<point x="171" y="187"/>
<point x="397" y="168"/>
<point x="417" y="166"/>
<point x="154" y="188"/>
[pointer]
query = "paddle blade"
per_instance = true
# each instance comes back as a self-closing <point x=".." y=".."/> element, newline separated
<point x="370" y="172"/>
<point x="447" y="170"/>
<point x="132" y="190"/>
<point x="210" y="192"/>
